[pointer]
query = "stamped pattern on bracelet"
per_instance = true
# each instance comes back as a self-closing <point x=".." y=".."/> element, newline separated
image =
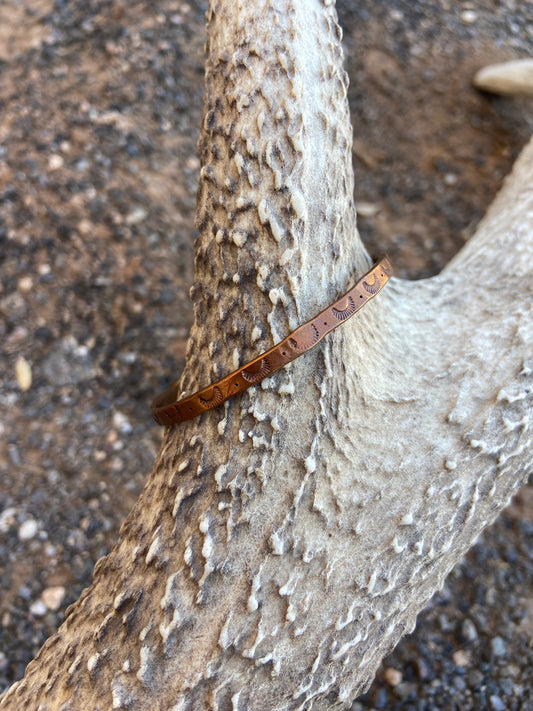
<point x="215" y="399"/>
<point x="344" y="309"/>
<point x="306" y="339"/>
<point x="372" y="286"/>
<point x="257" y="372"/>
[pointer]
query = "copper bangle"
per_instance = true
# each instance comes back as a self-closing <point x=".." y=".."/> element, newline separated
<point x="167" y="409"/>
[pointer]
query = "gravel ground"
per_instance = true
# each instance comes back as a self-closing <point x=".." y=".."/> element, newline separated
<point x="100" y="105"/>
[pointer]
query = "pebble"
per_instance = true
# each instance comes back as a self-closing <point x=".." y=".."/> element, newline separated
<point x="136" y="216"/>
<point x="85" y="227"/>
<point x="53" y="597"/>
<point x="7" y="519"/>
<point x="28" y="529"/>
<point x="23" y="373"/>
<point x="121" y="422"/>
<point x="459" y="683"/>
<point x="38" y="608"/>
<point x="468" y="17"/>
<point x="508" y="78"/>
<point x="393" y="676"/>
<point x="450" y="179"/>
<point x="497" y="704"/>
<point x="507" y="686"/>
<point x="55" y="162"/>
<point x="469" y="631"/>
<point x="475" y="678"/>
<point x="422" y="668"/>
<point x="380" y="699"/>
<point x="25" y="284"/>
<point x="445" y="624"/>
<point x="367" y="209"/>
<point x="498" y="647"/>
<point x="511" y="670"/>
<point x="461" y="658"/>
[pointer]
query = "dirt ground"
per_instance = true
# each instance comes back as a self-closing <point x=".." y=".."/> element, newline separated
<point x="100" y="108"/>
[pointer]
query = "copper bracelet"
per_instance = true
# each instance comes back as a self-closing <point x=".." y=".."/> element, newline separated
<point x="167" y="409"/>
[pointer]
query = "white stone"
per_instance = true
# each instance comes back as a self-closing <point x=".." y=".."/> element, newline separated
<point x="7" y="519"/>
<point x="393" y="676"/>
<point x="23" y="373"/>
<point x="468" y="17"/>
<point x="53" y="597"/>
<point x="367" y="209"/>
<point x="461" y="658"/>
<point x="121" y="422"/>
<point x="28" y="529"/>
<point x="38" y="608"/>
<point x="55" y="162"/>
<point x="508" y="78"/>
<point x="136" y="216"/>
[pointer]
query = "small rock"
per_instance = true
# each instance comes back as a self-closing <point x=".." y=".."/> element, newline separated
<point x="508" y="78"/>
<point x="491" y="596"/>
<point x="193" y="163"/>
<point x="23" y="373"/>
<point x="468" y="17"/>
<point x="461" y="658"/>
<point x="121" y="423"/>
<point x="14" y="454"/>
<point x="393" y="676"/>
<point x="497" y="704"/>
<point x="469" y="631"/>
<point x="55" y="162"/>
<point x="380" y="699"/>
<point x="507" y="686"/>
<point x="445" y="624"/>
<point x="498" y="647"/>
<point x="459" y="683"/>
<point x="475" y="678"/>
<point x="85" y="227"/>
<point x="512" y="670"/>
<point x="25" y="284"/>
<point x="422" y="669"/>
<point x="406" y="690"/>
<point x="367" y="209"/>
<point x="28" y="529"/>
<point x="137" y="215"/>
<point x="53" y="597"/>
<point x="7" y="519"/>
<point x="38" y="608"/>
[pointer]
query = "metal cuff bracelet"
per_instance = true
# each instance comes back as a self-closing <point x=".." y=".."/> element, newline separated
<point x="167" y="409"/>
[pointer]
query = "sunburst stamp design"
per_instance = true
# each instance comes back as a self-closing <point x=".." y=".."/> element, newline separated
<point x="257" y="372"/>
<point x="307" y="338"/>
<point x="372" y="286"/>
<point x="344" y="309"/>
<point x="213" y="401"/>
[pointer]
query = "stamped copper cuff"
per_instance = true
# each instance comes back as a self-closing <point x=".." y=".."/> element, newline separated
<point x="167" y="409"/>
